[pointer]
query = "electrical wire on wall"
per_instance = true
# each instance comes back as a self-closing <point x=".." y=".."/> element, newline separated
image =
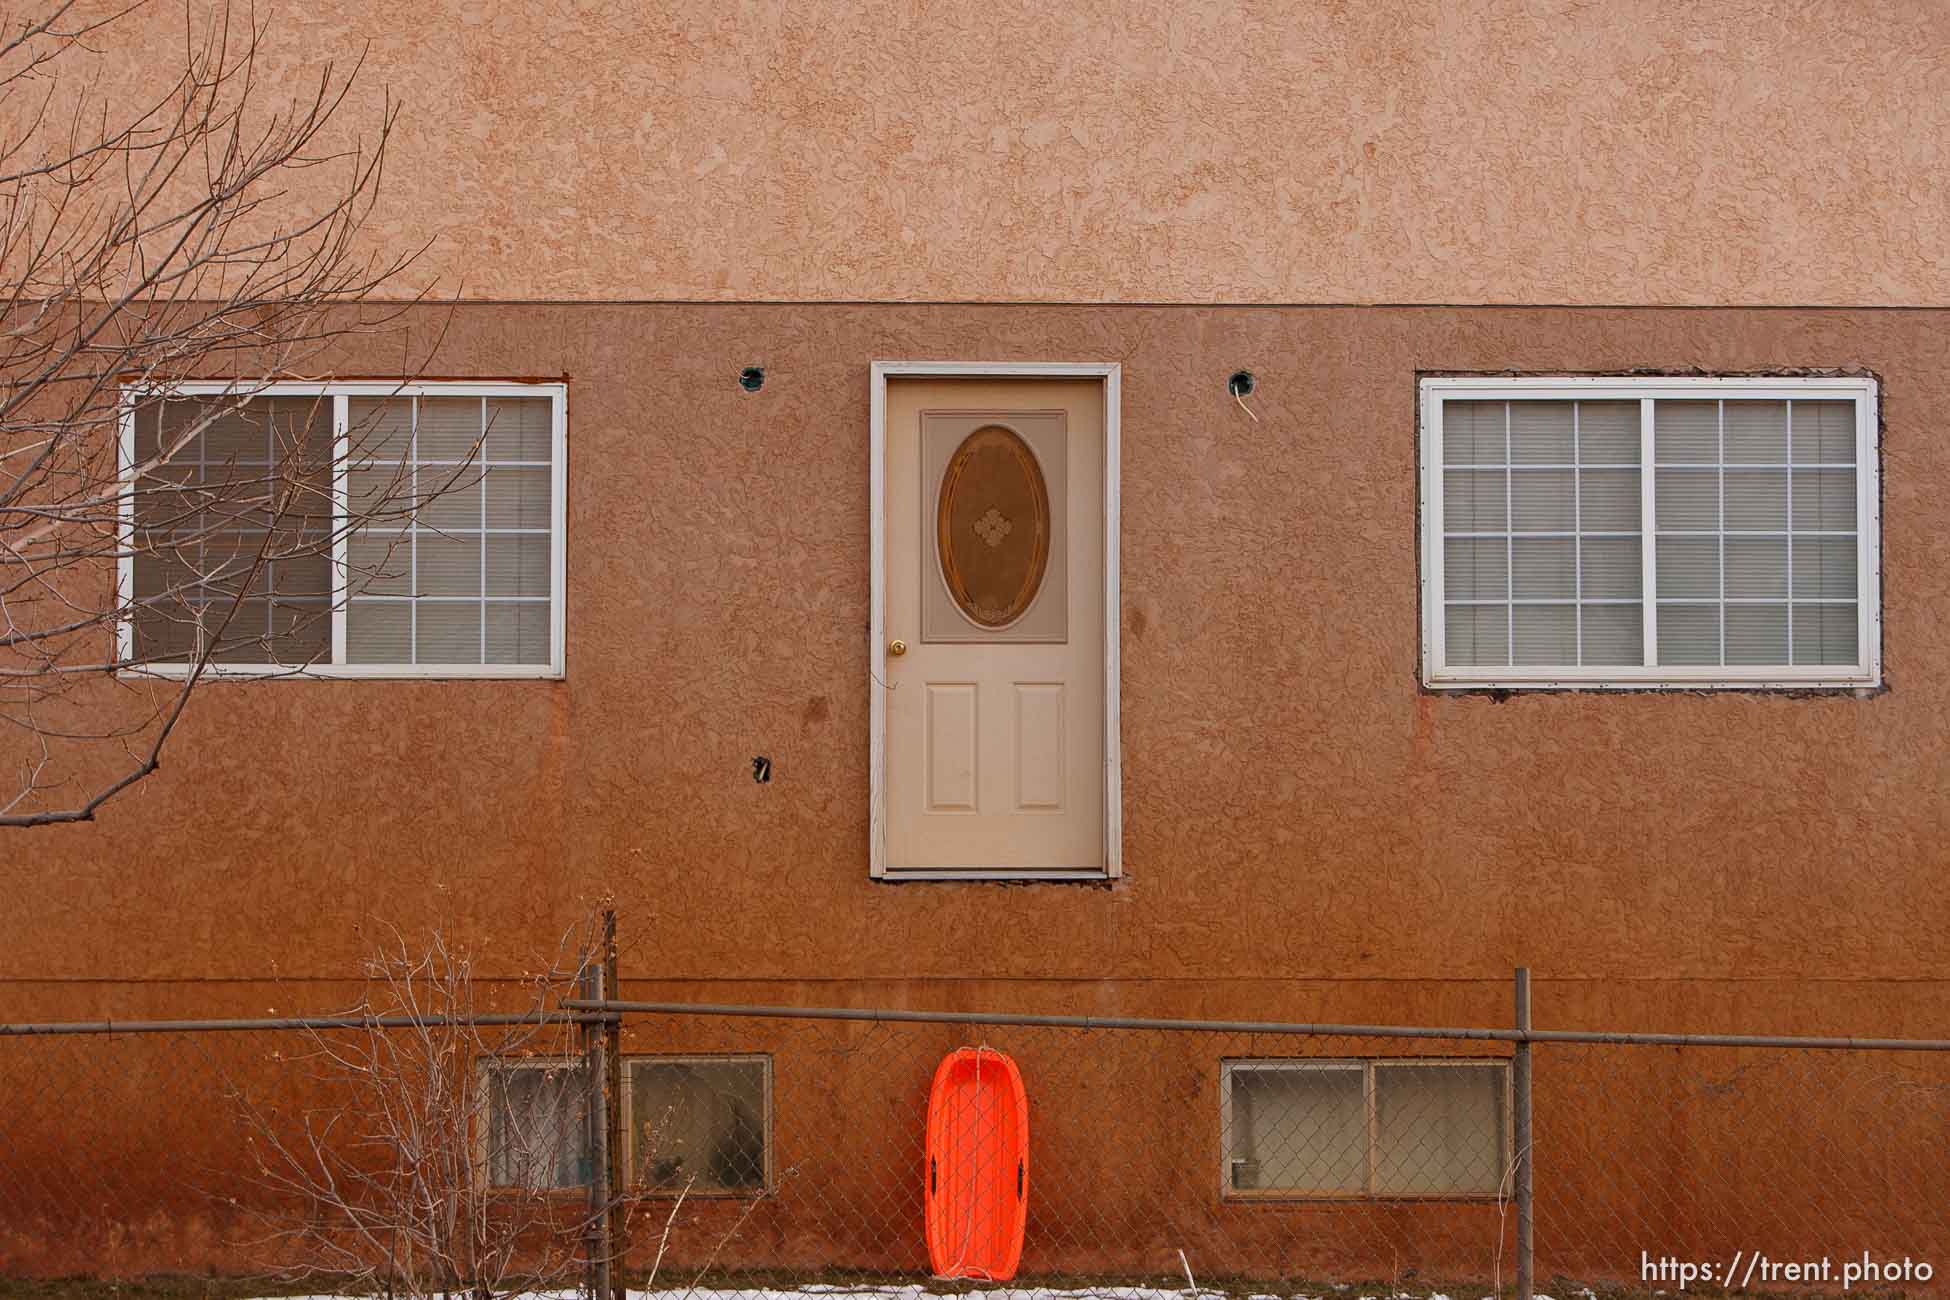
<point x="1240" y="385"/>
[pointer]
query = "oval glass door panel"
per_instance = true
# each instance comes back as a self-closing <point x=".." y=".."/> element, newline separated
<point x="992" y="527"/>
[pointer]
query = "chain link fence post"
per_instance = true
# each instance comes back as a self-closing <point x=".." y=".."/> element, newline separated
<point x="1520" y="1103"/>
<point x="596" y="1072"/>
<point x="613" y="1111"/>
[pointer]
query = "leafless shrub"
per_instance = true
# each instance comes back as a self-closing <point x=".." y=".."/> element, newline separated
<point x="440" y="1149"/>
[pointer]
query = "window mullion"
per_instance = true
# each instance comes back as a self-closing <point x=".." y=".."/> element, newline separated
<point x="1435" y="552"/>
<point x="126" y="485"/>
<point x="480" y="465"/>
<point x="1868" y="545"/>
<point x="1577" y="540"/>
<point x="1648" y="547"/>
<point x="413" y="535"/>
<point x="1720" y="481"/>
<point x="1509" y="545"/>
<point x="1790" y="537"/>
<point x="341" y="517"/>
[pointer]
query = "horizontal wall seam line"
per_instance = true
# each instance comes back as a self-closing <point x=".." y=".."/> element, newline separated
<point x="1185" y="980"/>
<point x="1154" y="303"/>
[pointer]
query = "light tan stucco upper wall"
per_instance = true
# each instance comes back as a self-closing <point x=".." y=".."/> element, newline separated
<point x="1479" y="151"/>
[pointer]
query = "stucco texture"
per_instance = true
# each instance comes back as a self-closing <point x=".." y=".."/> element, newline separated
<point x="1499" y="151"/>
<point x="1296" y="808"/>
<point x="1308" y="835"/>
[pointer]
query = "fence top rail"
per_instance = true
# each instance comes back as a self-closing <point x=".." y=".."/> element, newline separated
<point x="571" y="1017"/>
<point x="887" y="1015"/>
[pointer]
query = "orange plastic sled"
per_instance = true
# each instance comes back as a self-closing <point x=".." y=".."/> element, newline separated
<point x="977" y="1174"/>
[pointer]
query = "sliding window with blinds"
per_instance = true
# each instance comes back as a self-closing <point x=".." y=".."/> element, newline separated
<point x="434" y="543"/>
<point x="1648" y="533"/>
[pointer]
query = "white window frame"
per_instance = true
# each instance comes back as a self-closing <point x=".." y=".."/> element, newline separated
<point x="1865" y="673"/>
<point x="340" y="393"/>
<point x="1366" y="1066"/>
<point x="760" y="1059"/>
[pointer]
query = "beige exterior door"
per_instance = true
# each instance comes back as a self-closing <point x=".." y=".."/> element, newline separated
<point x="995" y="606"/>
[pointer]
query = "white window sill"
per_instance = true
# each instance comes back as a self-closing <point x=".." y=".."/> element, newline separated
<point x="330" y="672"/>
<point x="1776" y="679"/>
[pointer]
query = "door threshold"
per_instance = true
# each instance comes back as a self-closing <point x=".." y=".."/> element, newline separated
<point x="1051" y="874"/>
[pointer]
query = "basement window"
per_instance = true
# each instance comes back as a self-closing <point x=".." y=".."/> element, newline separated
<point x="344" y="530"/>
<point x="537" y="1135"/>
<point x="1646" y="533"/>
<point x="1421" y="1128"/>
<point x="700" y="1125"/>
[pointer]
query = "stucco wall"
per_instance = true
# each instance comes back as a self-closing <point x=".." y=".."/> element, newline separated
<point x="116" y="1144"/>
<point x="1507" y="151"/>
<point x="1295" y="807"/>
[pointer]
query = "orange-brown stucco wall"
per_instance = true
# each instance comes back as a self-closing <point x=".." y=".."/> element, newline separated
<point x="1506" y="151"/>
<point x="1308" y="834"/>
<point x="1296" y="808"/>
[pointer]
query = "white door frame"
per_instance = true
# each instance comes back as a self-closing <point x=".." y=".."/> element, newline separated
<point x="1110" y="373"/>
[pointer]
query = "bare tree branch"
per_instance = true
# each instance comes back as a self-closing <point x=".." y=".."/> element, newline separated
<point x="436" y="1159"/>
<point x="141" y="248"/>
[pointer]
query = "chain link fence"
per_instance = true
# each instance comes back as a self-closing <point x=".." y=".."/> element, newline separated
<point x="296" y="1147"/>
<point x="781" y="1154"/>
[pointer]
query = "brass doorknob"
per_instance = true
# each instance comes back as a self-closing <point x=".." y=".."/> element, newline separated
<point x="897" y="648"/>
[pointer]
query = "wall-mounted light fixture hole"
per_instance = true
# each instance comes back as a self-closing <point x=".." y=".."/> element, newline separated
<point x="751" y="378"/>
<point x="1242" y="383"/>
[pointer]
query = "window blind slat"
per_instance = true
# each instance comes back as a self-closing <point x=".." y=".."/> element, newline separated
<point x="517" y="634"/>
<point x="1686" y="432"/>
<point x="1689" y="635"/>
<point x="1824" y="433"/>
<point x="1608" y="434"/>
<point x="1608" y="500"/>
<point x="1541" y="433"/>
<point x="1824" y="568"/>
<point x="449" y="428"/>
<point x="518" y="498"/>
<point x="447" y="565"/>
<point x="1824" y="499"/>
<point x="1472" y="433"/>
<point x="447" y="633"/>
<point x="1757" y="634"/>
<point x="1689" y="567"/>
<point x="378" y="632"/>
<point x="1826" y="634"/>
<point x="1612" y="635"/>
<point x="1473" y="501"/>
<point x="1540" y="500"/>
<point x="1611" y="567"/>
<point x="1688" y="499"/>
<point x="1544" y="568"/>
<point x="1476" y="568"/>
<point x="1545" y="634"/>
<point x="1756" y="499"/>
<point x="519" y="428"/>
<point x="1756" y="567"/>
<point x="1478" y="635"/>
<point x="517" y="565"/>
<point x="1756" y="433"/>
